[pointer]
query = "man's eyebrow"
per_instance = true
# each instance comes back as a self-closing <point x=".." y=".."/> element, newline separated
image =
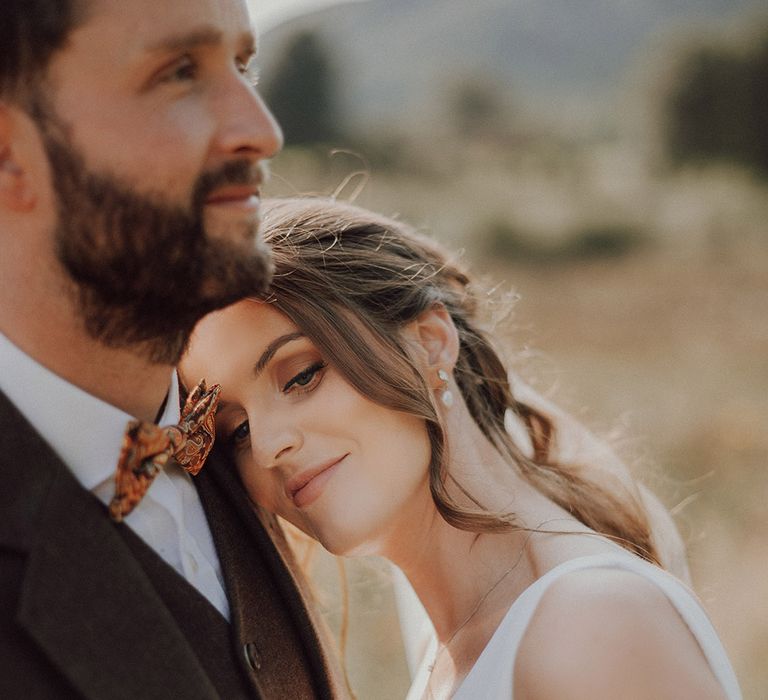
<point x="272" y="348"/>
<point x="200" y="37"/>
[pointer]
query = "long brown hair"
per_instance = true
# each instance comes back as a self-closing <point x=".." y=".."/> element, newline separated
<point x="351" y="280"/>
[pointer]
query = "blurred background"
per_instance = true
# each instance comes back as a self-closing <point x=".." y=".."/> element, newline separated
<point x="607" y="162"/>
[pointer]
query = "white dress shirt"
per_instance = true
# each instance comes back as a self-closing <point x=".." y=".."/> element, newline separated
<point x="86" y="433"/>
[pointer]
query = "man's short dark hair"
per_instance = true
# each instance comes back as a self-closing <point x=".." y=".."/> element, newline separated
<point x="31" y="31"/>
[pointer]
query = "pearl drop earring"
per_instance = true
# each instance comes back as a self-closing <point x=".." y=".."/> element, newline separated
<point x="446" y="395"/>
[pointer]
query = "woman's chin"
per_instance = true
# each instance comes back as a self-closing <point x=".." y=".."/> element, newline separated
<point x="349" y="546"/>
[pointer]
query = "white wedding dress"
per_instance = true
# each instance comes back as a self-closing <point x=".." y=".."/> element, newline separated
<point x="492" y="676"/>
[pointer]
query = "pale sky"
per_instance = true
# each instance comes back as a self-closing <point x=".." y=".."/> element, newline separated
<point x="268" y="13"/>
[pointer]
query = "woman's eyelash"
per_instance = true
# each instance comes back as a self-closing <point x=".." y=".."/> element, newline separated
<point x="304" y="378"/>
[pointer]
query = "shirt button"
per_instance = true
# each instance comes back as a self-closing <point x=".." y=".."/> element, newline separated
<point x="252" y="655"/>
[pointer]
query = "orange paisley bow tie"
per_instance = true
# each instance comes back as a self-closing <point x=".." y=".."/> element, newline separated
<point x="147" y="448"/>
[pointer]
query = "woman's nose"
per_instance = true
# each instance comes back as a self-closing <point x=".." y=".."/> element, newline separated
<point x="275" y="442"/>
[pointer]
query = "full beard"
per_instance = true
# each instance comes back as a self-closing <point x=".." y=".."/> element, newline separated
<point x="143" y="271"/>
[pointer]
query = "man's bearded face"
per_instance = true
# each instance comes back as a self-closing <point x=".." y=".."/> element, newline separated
<point x="144" y="269"/>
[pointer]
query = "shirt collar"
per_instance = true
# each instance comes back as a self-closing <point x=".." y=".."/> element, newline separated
<point x="83" y="430"/>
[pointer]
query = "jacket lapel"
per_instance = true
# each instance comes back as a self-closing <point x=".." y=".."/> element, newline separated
<point x="85" y="600"/>
<point x="221" y="491"/>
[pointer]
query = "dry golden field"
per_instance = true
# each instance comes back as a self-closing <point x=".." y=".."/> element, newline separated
<point x="665" y="349"/>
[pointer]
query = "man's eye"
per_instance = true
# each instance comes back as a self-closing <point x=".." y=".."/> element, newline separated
<point x="250" y="70"/>
<point x="306" y="378"/>
<point x="184" y="69"/>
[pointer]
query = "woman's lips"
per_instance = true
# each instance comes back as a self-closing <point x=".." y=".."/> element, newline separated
<point x="305" y="488"/>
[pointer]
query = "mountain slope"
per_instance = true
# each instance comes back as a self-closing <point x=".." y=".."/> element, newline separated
<point x="396" y="58"/>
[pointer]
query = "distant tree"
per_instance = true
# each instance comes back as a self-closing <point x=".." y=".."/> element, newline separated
<point x="476" y="107"/>
<point x="302" y="91"/>
<point x="758" y="101"/>
<point x="717" y="108"/>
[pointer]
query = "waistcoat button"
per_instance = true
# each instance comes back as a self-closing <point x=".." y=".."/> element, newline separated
<point x="252" y="655"/>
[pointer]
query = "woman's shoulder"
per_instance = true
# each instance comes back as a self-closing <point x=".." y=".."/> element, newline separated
<point x="607" y="633"/>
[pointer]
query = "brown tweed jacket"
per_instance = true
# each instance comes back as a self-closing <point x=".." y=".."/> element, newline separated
<point x="80" y="618"/>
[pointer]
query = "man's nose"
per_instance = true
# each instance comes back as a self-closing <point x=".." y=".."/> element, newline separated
<point x="247" y="127"/>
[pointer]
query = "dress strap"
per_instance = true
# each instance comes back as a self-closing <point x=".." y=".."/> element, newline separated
<point x="493" y="673"/>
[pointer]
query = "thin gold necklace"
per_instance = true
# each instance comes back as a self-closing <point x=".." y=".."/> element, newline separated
<point x="473" y="612"/>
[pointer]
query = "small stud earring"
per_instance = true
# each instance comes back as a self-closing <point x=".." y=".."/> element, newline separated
<point x="446" y="395"/>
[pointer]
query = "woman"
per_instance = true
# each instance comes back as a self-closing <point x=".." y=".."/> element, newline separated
<point x="362" y="403"/>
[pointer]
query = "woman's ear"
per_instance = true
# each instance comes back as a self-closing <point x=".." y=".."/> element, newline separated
<point x="434" y="338"/>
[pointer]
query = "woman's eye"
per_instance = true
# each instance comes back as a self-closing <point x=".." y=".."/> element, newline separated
<point x="306" y="379"/>
<point x="241" y="433"/>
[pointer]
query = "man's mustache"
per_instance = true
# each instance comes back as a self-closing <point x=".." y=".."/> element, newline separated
<point x="238" y="172"/>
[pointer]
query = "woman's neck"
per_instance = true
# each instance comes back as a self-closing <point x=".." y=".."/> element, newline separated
<point x="454" y="573"/>
<point x="452" y="570"/>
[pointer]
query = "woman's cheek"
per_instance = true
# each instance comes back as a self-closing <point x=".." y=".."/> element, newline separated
<point x="254" y="486"/>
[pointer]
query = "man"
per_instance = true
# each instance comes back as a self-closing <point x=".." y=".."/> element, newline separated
<point x="132" y="149"/>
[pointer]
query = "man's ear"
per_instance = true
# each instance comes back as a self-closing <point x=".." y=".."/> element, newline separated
<point x="16" y="192"/>
<point x="434" y="338"/>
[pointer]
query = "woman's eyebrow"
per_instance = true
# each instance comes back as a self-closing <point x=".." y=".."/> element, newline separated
<point x="272" y="348"/>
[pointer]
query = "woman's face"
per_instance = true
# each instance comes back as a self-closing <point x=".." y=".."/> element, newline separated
<point x="308" y="446"/>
